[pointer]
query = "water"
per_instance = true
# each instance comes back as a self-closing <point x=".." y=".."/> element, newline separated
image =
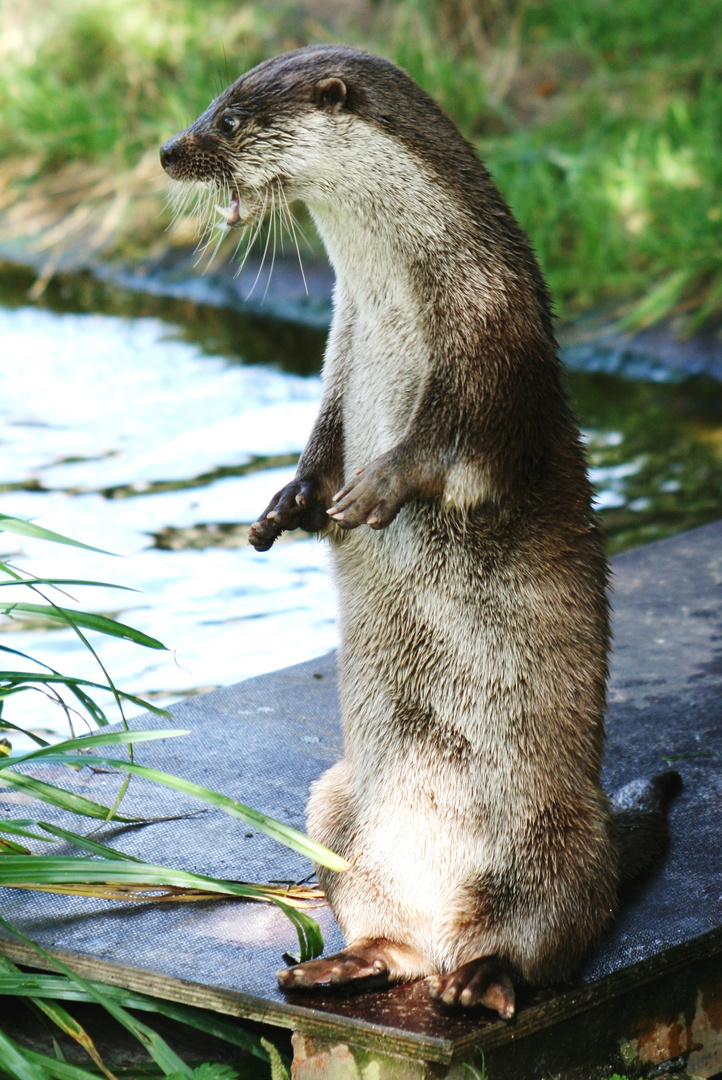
<point x="159" y="430"/>
<point x="118" y="432"/>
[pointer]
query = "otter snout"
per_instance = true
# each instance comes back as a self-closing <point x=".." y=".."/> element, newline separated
<point x="170" y="153"/>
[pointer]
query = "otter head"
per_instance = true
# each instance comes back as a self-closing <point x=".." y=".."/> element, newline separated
<point x="348" y="133"/>
<point x="268" y="138"/>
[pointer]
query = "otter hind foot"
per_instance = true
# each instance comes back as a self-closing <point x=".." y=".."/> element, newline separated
<point x="483" y="981"/>
<point x="364" y="965"/>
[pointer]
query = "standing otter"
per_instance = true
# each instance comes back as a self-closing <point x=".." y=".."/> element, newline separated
<point x="445" y="466"/>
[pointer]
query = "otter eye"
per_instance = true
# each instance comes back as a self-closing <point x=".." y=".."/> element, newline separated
<point x="229" y="123"/>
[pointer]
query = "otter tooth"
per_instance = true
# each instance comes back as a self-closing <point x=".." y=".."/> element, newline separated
<point x="230" y="214"/>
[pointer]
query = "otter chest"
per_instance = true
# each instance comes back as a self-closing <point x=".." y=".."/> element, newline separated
<point x="388" y="363"/>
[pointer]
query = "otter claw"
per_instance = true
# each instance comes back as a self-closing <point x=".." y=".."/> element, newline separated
<point x="480" y="982"/>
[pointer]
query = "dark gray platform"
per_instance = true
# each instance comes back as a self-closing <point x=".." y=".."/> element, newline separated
<point x="264" y="740"/>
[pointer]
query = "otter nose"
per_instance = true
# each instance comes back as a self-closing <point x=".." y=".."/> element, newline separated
<point x="170" y="152"/>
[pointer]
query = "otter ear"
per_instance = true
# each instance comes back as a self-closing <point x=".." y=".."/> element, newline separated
<point x="330" y="94"/>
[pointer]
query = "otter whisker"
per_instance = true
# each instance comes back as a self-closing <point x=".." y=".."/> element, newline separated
<point x="241" y="237"/>
<point x="272" y="226"/>
<point x="204" y="243"/>
<point x="268" y="237"/>
<point x="296" y="224"/>
<point x="249" y="243"/>
<point x="222" y="233"/>
<point x="253" y="238"/>
<point x="178" y="198"/>
<point x="286" y="223"/>
<point x="208" y="209"/>
<point x="212" y="231"/>
<point x="282" y="227"/>
<point x="200" y="214"/>
<point x="293" y="225"/>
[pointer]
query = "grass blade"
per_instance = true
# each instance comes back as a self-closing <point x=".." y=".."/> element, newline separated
<point x="11" y="846"/>
<point x="46" y="872"/>
<point x="109" y="738"/>
<point x="60" y="797"/>
<point x="659" y="300"/>
<point x="5" y="725"/>
<point x="20" y="828"/>
<point x="87" y="619"/>
<point x="310" y="938"/>
<point x="82" y="842"/>
<point x="284" y="834"/>
<point x="54" y="1068"/>
<point x="19" y="1062"/>
<point x="66" y="581"/>
<point x="157" y="1047"/>
<point x="15" y="983"/>
<point x="58" y="986"/>
<point x="27" y="528"/>
<point x="20" y="678"/>
<point x="137" y="882"/>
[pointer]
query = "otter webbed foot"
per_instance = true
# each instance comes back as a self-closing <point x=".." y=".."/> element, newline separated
<point x="299" y="505"/>
<point x="483" y="981"/>
<point x="364" y="965"/>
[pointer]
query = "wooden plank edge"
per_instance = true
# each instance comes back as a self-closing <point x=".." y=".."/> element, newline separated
<point x="488" y="1035"/>
<point x="336" y="1028"/>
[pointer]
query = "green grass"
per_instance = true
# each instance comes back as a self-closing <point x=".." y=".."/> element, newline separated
<point x="601" y="121"/>
<point x="104" y="80"/>
<point x="609" y="146"/>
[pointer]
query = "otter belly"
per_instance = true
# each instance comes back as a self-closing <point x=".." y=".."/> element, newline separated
<point x="411" y="863"/>
<point x="455" y="687"/>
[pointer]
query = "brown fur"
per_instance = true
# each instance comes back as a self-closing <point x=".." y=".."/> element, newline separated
<point x="471" y="576"/>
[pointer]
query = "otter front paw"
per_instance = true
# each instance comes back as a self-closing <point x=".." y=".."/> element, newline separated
<point x="299" y="505"/>
<point x="375" y="496"/>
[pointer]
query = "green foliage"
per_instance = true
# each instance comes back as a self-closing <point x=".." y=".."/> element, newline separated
<point x="213" y="1071"/>
<point x="628" y="205"/>
<point x="278" y="1068"/>
<point x="101" y="876"/>
<point x="601" y="121"/>
<point x="105" y="79"/>
<point x="105" y="871"/>
<point x="610" y="157"/>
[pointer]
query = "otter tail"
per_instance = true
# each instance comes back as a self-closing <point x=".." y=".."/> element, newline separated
<point x="639" y="813"/>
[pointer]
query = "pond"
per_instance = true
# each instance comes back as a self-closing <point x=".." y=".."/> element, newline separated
<point x="158" y="429"/>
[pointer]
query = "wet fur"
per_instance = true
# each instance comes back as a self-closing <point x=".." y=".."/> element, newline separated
<point x="474" y="617"/>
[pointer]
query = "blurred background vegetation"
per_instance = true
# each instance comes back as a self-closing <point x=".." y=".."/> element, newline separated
<point x="600" y="119"/>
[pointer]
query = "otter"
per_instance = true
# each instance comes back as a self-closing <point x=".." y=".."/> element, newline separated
<point x="446" y="469"/>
